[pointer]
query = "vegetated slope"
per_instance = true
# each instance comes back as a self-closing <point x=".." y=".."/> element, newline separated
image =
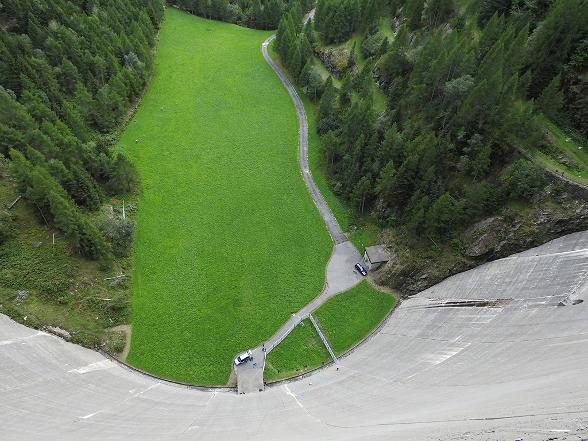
<point x="228" y="241"/>
<point x="464" y="89"/>
<point x="301" y="351"/>
<point x="43" y="284"/>
<point x="68" y="75"/>
<point x="349" y="317"/>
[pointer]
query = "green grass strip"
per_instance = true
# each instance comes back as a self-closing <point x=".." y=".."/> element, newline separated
<point x="301" y="351"/>
<point x="349" y="317"/>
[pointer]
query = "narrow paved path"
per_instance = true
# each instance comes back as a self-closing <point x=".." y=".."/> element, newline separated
<point x="340" y="274"/>
<point x="332" y="224"/>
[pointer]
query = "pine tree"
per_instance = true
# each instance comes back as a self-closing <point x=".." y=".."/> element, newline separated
<point x="296" y="16"/>
<point x="441" y="217"/>
<point x="413" y="11"/>
<point x="360" y="193"/>
<point x="436" y="12"/>
<point x="345" y="91"/>
<point x="576" y="88"/>
<point x="123" y="178"/>
<point x="552" y="43"/>
<point x="489" y="8"/>
<point x="550" y="102"/>
<point x="327" y="114"/>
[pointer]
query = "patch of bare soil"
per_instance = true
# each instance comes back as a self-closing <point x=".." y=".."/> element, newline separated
<point x="127" y="330"/>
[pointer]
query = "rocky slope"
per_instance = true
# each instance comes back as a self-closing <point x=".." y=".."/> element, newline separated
<point x="551" y="214"/>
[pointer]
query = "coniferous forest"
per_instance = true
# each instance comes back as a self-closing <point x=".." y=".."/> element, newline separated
<point x="69" y="72"/>
<point x="421" y="126"/>
<point x="257" y="14"/>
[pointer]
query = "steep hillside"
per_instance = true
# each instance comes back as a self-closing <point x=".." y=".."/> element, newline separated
<point x="69" y="74"/>
<point x="436" y="115"/>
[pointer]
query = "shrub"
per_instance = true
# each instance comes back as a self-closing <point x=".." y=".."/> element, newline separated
<point x="7" y="229"/>
<point x="523" y="179"/>
<point x="119" y="233"/>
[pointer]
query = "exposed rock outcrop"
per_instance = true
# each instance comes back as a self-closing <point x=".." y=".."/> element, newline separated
<point x="551" y="215"/>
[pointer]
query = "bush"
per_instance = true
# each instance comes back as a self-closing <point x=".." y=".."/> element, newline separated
<point x="523" y="179"/>
<point x="372" y="45"/>
<point x="123" y="177"/>
<point x="7" y="229"/>
<point x="119" y="233"/>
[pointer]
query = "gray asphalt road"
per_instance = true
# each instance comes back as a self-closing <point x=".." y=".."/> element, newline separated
<point x="435" y="371"/>
<point x="332" y="224"/>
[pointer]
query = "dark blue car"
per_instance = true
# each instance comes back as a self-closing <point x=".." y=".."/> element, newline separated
<point x="360" y="269"/>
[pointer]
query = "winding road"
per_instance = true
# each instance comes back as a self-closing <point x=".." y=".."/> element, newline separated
<point x="332" y="225"/>
<point x="340" y="275"/>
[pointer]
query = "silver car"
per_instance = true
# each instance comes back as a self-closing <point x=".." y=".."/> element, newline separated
<point x="243" y="358"/>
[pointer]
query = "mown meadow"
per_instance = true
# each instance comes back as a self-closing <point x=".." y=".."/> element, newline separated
<point x="228" y="242"/>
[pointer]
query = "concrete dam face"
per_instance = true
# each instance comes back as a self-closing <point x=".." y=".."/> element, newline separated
<point x="496" y="353"/>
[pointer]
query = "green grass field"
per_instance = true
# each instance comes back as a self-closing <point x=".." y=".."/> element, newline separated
<point x="228" y="242"/>
<point x="301" y="351"/>
<point x="349" y="317"/>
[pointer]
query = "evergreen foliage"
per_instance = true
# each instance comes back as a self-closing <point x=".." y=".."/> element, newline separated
<point x="68" y="74"/>
<point x="257" y="14"/>
<point x="460" y="98"/>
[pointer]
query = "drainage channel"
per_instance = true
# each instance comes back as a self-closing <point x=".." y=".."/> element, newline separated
<point x="323" y="338"/>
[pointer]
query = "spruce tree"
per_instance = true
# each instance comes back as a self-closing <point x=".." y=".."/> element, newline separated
<point x="550" y="102"/>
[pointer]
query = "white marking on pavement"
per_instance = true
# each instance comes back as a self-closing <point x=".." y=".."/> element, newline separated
<point x="210" y="399"/>
<point x="20" y="339"/>
<point x="441" y="356"/>
<point x="90" y="415"/>
<point x="123" y="401"/>
<point x="569" y="342"/>
<point x="98" y="366"/>
<point x="289" y="392"/>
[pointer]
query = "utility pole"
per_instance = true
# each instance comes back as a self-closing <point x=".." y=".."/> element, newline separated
<point x="124" y="217"/>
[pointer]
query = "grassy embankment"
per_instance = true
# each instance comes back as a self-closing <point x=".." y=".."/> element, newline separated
<point x="567" y="153"/>
<point x="345" y="319"/>
<point x="228" y="241"/>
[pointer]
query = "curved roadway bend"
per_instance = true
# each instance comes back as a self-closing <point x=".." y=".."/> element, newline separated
<point x="437" y="370"/>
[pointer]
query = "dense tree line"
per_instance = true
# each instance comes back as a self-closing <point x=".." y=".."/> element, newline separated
<point x="461" y="94"/>
<point x="337" y="20"/>
<point x="258" y="14"/>
<point x="68" y="73"/>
